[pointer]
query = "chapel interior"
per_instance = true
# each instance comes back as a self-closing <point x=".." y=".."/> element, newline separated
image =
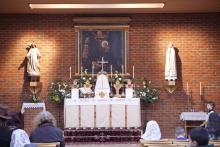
<point x="193" y="27"/>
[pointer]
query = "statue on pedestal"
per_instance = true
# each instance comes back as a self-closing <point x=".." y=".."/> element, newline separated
<point x="33" y="62"/>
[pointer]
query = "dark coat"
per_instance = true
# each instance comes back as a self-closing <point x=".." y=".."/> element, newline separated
<point x="47" y="133"/>
<point x="5" y="136"/>
<point x="210" y="145"/>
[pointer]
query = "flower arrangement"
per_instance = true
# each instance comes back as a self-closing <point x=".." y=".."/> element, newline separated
<point x="117" y="77"/>
<point x="148" y="94"/>
<point x="58" y="91"/>
<point x="85" y="77"/>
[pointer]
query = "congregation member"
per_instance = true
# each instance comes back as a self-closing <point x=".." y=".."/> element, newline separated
<point x="211" y="109"/>
<point x="180" y="133"/>
<point x="10" y="127"/>
<point x="213" y="126"/>
<point x="199" y="138"/>
<point x="152" y="131"/>
<point x="45" y="129"/>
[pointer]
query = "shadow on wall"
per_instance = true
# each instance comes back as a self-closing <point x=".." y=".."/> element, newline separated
<point x="25" y="93"/>
<point x="179" y="69"/>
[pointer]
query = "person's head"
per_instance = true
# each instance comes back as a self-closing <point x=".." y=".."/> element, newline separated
<point x="15" y="119"/>
<point x="198" y="136"/>
<point x="152" y="126"/>
<point x="4" y="117"/>
<point x="42" y="118"/>
<point x="180" y="132"/>
<point x="152" y="131"/>
<point x="170" y="44"/>
<point x="210" y="106"/>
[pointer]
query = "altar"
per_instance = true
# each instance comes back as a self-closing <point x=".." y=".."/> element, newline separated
<point x="99" y="113"/>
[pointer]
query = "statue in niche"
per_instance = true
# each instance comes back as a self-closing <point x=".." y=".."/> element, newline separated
<point x="33" y="62"/>
<point x="170" y="67"/>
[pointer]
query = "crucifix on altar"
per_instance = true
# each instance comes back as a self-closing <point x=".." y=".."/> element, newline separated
<point x="102" y="88"/>
<point x="102" y="62"/>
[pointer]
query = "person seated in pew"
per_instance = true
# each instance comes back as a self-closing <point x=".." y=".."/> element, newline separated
<point x="180" y="133"/>
<point x="46" y="130"/>
<point x="213" y="126"/>
<point x="11" y="134"/>
<point x="152" y="131"/>
<point x="199" y="138"/>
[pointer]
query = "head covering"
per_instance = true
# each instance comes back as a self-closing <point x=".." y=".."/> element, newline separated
<point x="4" y="112"/>
<point x="152" y="131"/>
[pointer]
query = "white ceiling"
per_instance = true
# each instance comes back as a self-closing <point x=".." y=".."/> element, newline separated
<point x="171" y="6"/>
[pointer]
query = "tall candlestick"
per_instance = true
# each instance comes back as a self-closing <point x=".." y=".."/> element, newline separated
<point x="111" y="70"/>
<point x="70" y="72"/>
<point x="122" y="69"/>
<point x="81" y="72"/>
<point x="200" y="88"/>
<point x="187" y="88"/>
<point x="133" y="72"/>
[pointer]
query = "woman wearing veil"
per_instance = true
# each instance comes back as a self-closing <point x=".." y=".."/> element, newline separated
<point x="152" y="131"/>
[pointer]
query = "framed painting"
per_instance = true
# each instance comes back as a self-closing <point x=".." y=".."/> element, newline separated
<point x="94" y="43"/>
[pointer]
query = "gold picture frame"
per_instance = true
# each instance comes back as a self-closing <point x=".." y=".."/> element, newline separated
<point x="95" y="42"/>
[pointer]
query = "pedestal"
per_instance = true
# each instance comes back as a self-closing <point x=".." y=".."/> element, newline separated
<point x="30" y="110"/>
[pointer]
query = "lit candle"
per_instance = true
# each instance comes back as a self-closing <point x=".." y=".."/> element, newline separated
<point x="187" y="88"/>
<point x="111" y="70"/>
<point x="70" y="73"/>
<point x="133" y="71"/>
<point x="200" y="88"/>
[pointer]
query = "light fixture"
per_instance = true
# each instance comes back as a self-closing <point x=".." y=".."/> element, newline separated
<point x="97" y="6"/>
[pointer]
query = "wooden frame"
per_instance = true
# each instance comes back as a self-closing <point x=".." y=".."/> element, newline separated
<point x="95" y="42"/>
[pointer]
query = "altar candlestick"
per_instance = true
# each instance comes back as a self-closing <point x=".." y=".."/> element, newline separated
<point x="81" y="72"/>
<point x="187" y="88"/>
<point x="200" y="88"/>
<point x="70" y="72"/>
<point x="111" y="70"/>
<point x="133" y="71"/>
<point x="122" y="69"/>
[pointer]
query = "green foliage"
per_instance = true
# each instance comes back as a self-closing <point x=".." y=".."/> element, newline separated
<point x="85" y="77"/>
<point x="34" y="99"/>
<point x="117" y="77"/>
<point x="57" y="91"/>
<point x="147" y="93"/>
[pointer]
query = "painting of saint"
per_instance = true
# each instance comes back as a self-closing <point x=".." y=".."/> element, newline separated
<point x="95" y="44"/>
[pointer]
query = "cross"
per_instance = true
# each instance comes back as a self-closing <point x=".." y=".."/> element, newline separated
<point x="102" y="62"/>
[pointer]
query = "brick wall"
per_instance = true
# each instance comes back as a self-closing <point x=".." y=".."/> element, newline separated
<point x="196" y="37"/>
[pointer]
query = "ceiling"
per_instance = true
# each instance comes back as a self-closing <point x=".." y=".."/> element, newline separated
<point x="171" y="6"/>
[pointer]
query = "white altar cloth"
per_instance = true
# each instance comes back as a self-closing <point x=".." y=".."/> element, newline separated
<point x="193" y="116"/>
<point x="32" y="105"/>
<point x="112" y="112"/>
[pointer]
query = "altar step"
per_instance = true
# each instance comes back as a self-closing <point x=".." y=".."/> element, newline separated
<point x="73" y="135"/>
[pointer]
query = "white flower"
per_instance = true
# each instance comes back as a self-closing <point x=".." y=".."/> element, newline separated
<point x="119" y="79"/>
<point x="62" y="90"/>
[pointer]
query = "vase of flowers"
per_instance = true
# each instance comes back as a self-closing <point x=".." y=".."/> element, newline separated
<point x="57" y="91"/>
<point x="147" y="93"/>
